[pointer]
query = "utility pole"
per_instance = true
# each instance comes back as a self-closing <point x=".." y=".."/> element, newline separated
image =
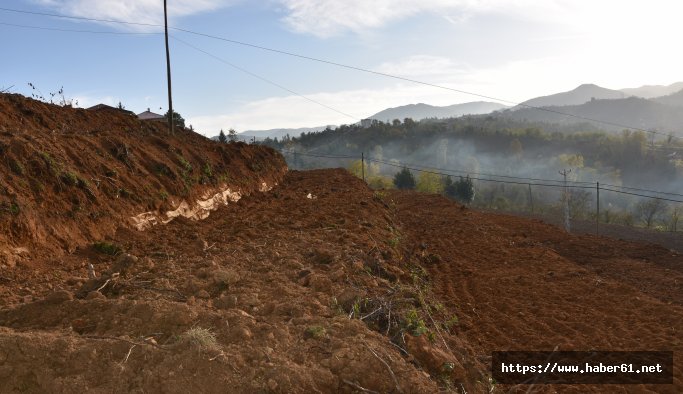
<point x="531" y="199"/>
<point x="564" y="173"/>
<point x="597" y="218"/>
<point x="362" y="164"/>
<point x="168" y="73"/>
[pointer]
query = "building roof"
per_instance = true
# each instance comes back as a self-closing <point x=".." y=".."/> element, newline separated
<point x="149" y="115"/>
<point x="105" y="107"/>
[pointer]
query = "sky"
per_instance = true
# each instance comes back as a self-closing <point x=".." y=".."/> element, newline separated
<point x="511" y="50"/>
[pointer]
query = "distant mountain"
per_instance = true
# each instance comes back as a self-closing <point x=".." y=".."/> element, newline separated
<point x="652" y="91"/>
<point x="580" y="95"/>
<point x="423" y="111"/>
<point x="279" y="133"/>
<point x="633" y="112"/>
<point x="675" y="99"/>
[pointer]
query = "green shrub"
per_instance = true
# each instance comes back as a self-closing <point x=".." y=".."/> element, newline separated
<point x="107" y="248"/>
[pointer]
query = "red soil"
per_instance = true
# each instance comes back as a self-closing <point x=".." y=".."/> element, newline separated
<point x="319" y="285"/>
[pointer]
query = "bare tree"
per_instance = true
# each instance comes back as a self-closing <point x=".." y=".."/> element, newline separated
<point x="647" y="210"/>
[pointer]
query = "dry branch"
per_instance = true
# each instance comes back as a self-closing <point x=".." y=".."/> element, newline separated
<point x="391" y="372"/>
<point x="358" y="387"/>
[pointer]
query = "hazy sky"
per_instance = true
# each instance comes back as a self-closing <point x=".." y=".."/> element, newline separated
<point x="509" y="49"/>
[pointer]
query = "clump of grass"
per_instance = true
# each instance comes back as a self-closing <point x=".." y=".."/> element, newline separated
<point x="17" y="167"/>
<point x="107" y="248"/>
<point x="203" y="338"/>
<point x="315" y="332"/>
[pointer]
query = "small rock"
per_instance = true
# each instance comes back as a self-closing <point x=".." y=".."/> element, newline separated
<point x="124" y="263"/>
<point x="59" y="296"/>
<point x="226" y="302"/>
<point x="203" y="294"/>
<point x="272" y="384"/>
<point x="95" y="295"/>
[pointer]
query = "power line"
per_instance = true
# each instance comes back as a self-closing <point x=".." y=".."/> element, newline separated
<point x="645" y="190"/>
<point x="333" y="63"/>
<point x="481" y="174"/>
<point x="78" y="31"/>
<point x="642" y="195"/>
<point x="80" y="18"/>
<point x="577" y="185"/>
<point x="263" y="78"/>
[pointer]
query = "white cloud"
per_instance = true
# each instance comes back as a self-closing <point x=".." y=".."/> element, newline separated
<point x="326" y="18"/>
<point x="417" y="66"/>
<point x="138" y="11"/>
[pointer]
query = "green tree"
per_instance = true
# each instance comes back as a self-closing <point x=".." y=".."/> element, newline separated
<point x="178" y="121"/>
<point x="462" y="190"/>
<point x="222" y="138"/>
<point x="429" y="182"/>
<point x="404" y="179"/>
<point x="356" y="169"/>
<point x="232" y="135"/>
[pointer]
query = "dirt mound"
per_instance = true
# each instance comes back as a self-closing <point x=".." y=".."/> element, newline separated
<point x="301" y="289"/>
<point x="69" y="177"/>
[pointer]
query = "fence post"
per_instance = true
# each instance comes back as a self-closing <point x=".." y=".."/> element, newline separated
<point x="362" y="164"/>
<point x="597" y="217"/>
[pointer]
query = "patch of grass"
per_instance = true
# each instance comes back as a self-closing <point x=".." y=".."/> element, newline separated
<point x="315" y="332"/>
<point x="16" y="167"/>
<point x="185" y="164"/>
<point x="163" y="170"/>
<point x="207" y="171"/>
<point x="107" y="248"/>
<point x="69" y="178"/>
<point x="415" y="324"/>
<point x="163" y="194"/>
<point x="11" y="208"/>
<point x="450" y="323"/>
<point x="203" y="338"/>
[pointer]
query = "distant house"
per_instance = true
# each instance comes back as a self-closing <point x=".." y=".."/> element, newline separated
<point x="105" y="107"/>
<point x="149" y="115"/>
<point x="365" y="123"/>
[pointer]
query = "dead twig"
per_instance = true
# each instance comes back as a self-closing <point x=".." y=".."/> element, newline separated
<point x="104" y="285"/>
<point x="358" y="387"/>
<point x="221" y="354"/>
<point x="371" y="313"/>
<point x="391" y="372"/>
<point x="128" y="355"/>
<point x="110" y="338"/>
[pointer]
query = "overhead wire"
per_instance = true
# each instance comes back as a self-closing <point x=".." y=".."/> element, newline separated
<point x="78" y="30"/>
<point x="236" y="67"/>
<point x="518" y="181"/>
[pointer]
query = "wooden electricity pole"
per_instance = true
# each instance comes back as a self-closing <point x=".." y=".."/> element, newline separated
<point x="168" y="73"/>
<point x="597" y="217"/>
<point x="362" y="164"/>
<point x="566" y="200"/>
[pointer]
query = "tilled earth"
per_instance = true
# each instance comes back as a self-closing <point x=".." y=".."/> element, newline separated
<point x="322" y="285"/>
